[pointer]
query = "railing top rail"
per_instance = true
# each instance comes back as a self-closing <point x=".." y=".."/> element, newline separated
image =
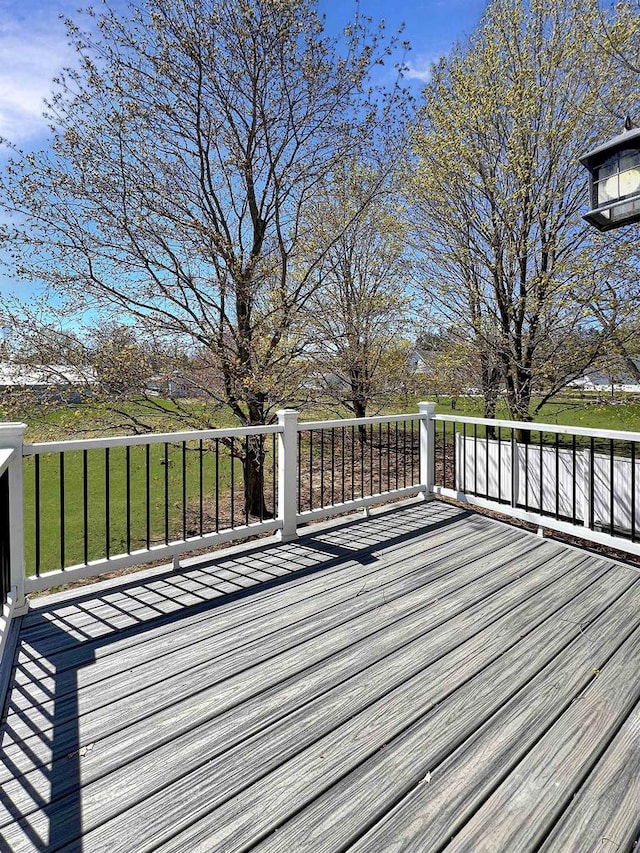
<point x="346" y="422"/>
<point x="148" y="438"/>
<point x="619" y="435"/>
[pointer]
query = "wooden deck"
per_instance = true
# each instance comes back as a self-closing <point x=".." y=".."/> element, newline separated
<point x="423" y="679"/>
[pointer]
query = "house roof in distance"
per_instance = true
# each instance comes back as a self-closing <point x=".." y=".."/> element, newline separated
<point x="45" y="375"/>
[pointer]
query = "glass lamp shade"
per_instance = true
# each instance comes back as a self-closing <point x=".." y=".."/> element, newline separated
<point x="614" y="181"/>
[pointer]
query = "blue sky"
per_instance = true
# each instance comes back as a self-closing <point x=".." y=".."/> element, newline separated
<point x="33" y="47"/>
<point x="33" y="50"/>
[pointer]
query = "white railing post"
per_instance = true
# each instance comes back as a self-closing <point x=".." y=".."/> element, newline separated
<point x="287" y="473"/>
<point x="427" y="447"/>
<point x="11" y="438"/>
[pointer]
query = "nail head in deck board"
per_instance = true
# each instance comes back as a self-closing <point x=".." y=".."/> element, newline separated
<point x="122" y="644"/>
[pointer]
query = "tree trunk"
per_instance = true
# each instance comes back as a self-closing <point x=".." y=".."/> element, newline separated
<point x="490" y="389"/>
<point x="253" y="467"/>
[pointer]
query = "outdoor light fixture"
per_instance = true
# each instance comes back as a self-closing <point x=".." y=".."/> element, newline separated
<point x="614" y="180"/>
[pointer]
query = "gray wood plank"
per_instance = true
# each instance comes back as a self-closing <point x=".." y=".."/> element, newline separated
<point x="207" y="736"/>
<point x="318" y="563"/>
<point x="522" y="810"/>
<point x="605" y="811"/>
<point x="460" y="782"/>
<point x="120" y="713"/>
<point x="230" y="573"/>
<point x="407" y="778"/>
<point x="306" y="773"/>
<point x="245" y="645"/>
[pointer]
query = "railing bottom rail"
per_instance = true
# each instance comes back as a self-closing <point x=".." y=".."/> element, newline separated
<point x="618" y="543"/>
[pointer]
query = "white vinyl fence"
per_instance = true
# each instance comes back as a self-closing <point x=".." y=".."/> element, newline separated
<point x="551" y="482"/>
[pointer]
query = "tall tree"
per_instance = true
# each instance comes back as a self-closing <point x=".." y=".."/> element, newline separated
<point x="356" y="319"/>
<point x="499" y="193"/>
<point x="187" y="147"/>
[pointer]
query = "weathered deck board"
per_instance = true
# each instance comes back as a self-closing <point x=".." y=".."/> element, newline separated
<point x="282" y="630"/>
<point x="171" y="638"/>
<point x="310" y="773"/>
<point x="388" y="626"/>
<point x="197" y="746"/>
<point x="295" y="697"/>
<point x="303" y="581"/>
<point x="606" y="808"/>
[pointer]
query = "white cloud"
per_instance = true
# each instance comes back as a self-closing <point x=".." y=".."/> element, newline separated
<point x="29" y="59"/>
<point x="420" y="69"/>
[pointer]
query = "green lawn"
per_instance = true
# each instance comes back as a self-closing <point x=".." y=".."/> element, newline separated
<point x="183" y="517"/>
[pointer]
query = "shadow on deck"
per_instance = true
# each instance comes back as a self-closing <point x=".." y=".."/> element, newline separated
<point x="421" y="679"/>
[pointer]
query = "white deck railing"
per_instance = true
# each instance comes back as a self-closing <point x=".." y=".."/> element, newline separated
<point x="85" y="507"/>
<point x="580" y="481"/>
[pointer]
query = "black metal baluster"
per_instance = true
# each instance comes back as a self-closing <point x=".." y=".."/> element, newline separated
<point x="274" y="478"/>
<point x="444" y="454"/>
<point x="515" y="483"/>
<point x="37" y="512"/>
<point x="611" y="484"/>
<point x="353" y="463"/>
<point x="148" y="494"/>
<point x="321" y="467"/>
<point x="395" y="451"/>
<point x="573" y="477"/>
<point x="166" y="492"/>
<point x="475" y="459"/>
<point x="342" y="432"/>
<point x="233" y="481"/>
<point x="261" y="458"/>
<point x="633" y="491"/>
<point x="85" y="508"/>
<point x="526" y="474"/>
<point x="107" y="502"/>
<point x="380" y="458"/>
<point x="245" y="479"/>
<point x="299" y="472"/>
<point x="184" y="490"/>
<point x="464" y="457"/>
<point x="362" y="436"/>
<point x="541" y="437"/>
<point x="62" y="524"/>
<point x="499" y="464"/>
<point x="591" y="475"/>
<point x="200" y="486"/>
<point x="217" y="490"/>
<point x="413" y="464"/>
<point x="370" y="459"/>
<point x="486" y="461"/>
<point x="128" y="495"/>
<point x="454" y="485"/>
<point x="310" y="469"/>
<point x="404" y="454"/>
<point x="333" y="466"/>
<point x="557" y="463"/>
<point x="388" y="459"/>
